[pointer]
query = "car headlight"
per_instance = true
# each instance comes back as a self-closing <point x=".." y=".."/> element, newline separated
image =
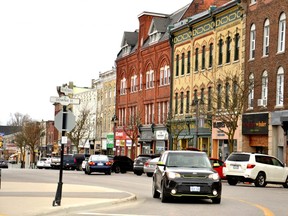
<point x="173" y="175"/>
<point x="214" y="176"/>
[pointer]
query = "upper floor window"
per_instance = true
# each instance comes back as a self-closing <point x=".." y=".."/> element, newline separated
<point x="203" y="57"/>
<point x="228" y="49"/>
<point x="252" y="41"/>
<point x="280" y="87"/>
<point x="253" y="1"/>
<point x="123" y="86"/>
<point x="164" y="75"/>
<point x="266" y="38"/>
<point x="282" y="30"/>
<point x="227" y="93"/>
<point x="181" y="102"/>
<point x="210" y="55"/>
<point x="149" y="79"/>
<point x="154" y="35"/>
<point x="209" y="99"/>
<point x="188" y="61"/>
<point x="251" y="92"/>
<point x="126" y="49"/>
<point x="176" y="103"/>
<point x="134" y="83"/>
<point x="237" y="47"/>
<point x="219" y="96"/>
<point x="182" y="64"/>
<point x="264" y="91"/>
<point x="177" y="65"/>
<point x="196" y="58"/>
<point x="187" y="101"/>
<point x="140" y="82"/>
<point x="220" y="54"/>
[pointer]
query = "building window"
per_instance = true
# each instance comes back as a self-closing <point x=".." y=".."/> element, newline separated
<point x="195" y="95"/>
<point x="182" y="64"/>
<point x="149" y="79"/>
<point x="264" y="90"/>
<point x="177" y="65"/>
<point x="209" y="99"/>
<point x="188" y="62"/>
<point x="164" y="75"/>
<point x="252" y="41"/>
<point x="253" y="1"/>
<point x="123" y="86"/>
<point x="219" y="94"/>
<point x="220" y="57"/>
<point x="176" y="103"/>
<point x="227" y="98"/>
<point x="251" y="92"/>
<point x="282" y="30"/>
<point x="140" y="82"/>
<point x="228" y="49"/>
<point x="280" y="87"/>
<point x="181" y="102"/>
<point x="266" y="38"/>
<point x="196" y="59"/>
<point x="187" y="101"/>
<point x="133" y="83"/>
<point x="210" y="55"/>
<point x="202" y="96"/>
<point x="203" y="57"/>
<point x="237" y="47"/>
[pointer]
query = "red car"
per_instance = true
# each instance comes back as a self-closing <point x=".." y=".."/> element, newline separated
<point x="218" y="166"/>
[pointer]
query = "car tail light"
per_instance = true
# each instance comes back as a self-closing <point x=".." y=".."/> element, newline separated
<point x="146" y="164"/>
<point x="109" y="163"/>
<point x="250" y="166"/>
<point x="224" y="165"/>
<point x="91" y="163"/>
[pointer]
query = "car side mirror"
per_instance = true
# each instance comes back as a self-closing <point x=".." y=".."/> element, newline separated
<point x="215" y="165"/>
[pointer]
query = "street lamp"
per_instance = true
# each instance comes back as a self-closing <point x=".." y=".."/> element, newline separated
<point x="114" y="120"/>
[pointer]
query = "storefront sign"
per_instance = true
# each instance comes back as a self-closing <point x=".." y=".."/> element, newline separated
<point x="255" y="124"/>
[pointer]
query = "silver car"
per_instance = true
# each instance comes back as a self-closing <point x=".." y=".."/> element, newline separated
<point x="150" y="166"/>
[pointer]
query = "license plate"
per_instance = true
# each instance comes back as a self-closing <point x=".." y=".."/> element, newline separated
<point x="100" y="164"/>
<point x="194" y="189"/>
<point x="235" y="167"/>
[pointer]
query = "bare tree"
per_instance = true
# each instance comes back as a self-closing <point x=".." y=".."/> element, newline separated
<point x="18" y="119"/>
<point x="82" y="129"/>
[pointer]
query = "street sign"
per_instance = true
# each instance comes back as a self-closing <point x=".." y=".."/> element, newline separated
<point x="65" y="100"/>
<point x="70" y="121"/>
<point x="66" y="90"/>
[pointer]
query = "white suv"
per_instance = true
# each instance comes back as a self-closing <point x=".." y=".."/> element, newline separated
<point x="259" y="169"/>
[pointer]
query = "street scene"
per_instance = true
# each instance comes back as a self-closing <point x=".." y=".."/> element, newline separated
<point x="190" y="119"/>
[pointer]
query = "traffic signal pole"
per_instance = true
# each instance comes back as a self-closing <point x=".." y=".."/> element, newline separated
<point x="58" y="196"/>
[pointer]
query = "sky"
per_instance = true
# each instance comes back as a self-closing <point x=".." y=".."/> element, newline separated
<point x="47" y="43"/>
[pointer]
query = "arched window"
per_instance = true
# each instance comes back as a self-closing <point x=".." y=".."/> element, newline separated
<point x="264" y="91"/>
<point x="281" y="34"/>
<point x="251" y="91"/>
<point x="280" y="87"/>
<point x="266" y="37"/>
<point x="252" y="41"/>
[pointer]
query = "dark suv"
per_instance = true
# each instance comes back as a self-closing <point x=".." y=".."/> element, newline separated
<point x="138" y="165"/>
<point x="122" y="164"/>
<point x="186" y="174"/>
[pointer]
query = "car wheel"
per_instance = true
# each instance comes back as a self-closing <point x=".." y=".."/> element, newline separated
<point x="155" y="193"/>
<point x="149" y="174"/>
<point x="164" y="196"/>
<point x="108" y="173"/>
<point x="232" y="181"/>
<point x="117" y="169"/>
<point x="260" y="180"/>
<point x="139" y="173"/>
<point x="285" y="185"/>
<point x="216" y="200"/>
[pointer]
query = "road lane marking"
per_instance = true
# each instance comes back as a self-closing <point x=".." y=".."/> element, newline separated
<point x="265" y="210"/>
<point x="103" y="214"/>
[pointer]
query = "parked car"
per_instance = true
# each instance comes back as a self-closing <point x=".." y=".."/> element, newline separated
<point x="55" y="162"/>
<point x="3" y="164"/>
<point x="138" y="165"/>
<point x="78" y="159"/>
<point x="98" y="163"/>
<point x="150" y="166"/>
<point x="122" y="164"/>
<point x="44" y="163"/>
<point x="84" y="162"/>
<point x="69" y="162"/>
<point x="218" y="165"/>
<point x="259" y="169"/>
<point x="186" y="174"/>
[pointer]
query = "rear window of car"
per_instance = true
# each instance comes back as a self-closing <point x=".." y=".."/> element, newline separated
<point x="239" y="157"/>
<point x="99" y="158"/>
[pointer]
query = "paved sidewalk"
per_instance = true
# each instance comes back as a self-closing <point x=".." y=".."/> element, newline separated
<point x="31" y="199"/>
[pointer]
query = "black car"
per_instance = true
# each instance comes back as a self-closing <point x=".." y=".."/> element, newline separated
<point x="78" y="159"/>
<point x="68" y="162"/>
<point x="122" y="164"/>
<point x="186" y="174"/>
<point x="138" y="165"/>
<point x="3" y="163"/>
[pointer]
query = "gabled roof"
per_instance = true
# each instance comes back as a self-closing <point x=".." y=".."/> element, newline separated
<point x="160" y="24"/>
<point x="130" y="38"/>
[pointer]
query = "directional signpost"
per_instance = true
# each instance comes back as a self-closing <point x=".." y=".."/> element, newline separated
<point x="64" y="122"/>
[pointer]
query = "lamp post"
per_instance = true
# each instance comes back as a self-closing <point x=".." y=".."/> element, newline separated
<point x="114" y="120"/>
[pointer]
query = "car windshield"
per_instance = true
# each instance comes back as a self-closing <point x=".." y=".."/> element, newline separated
<point x="188" y="160"/>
